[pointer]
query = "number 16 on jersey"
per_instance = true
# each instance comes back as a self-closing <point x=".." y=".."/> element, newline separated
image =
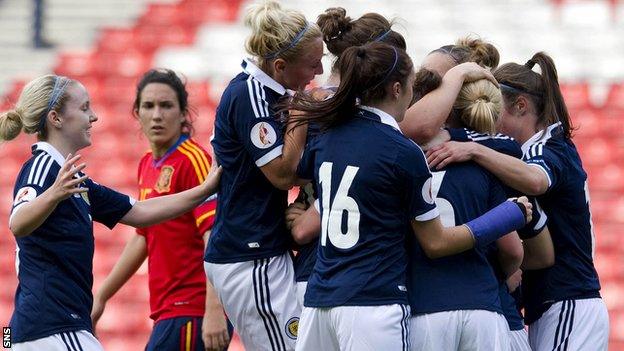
<point x="331" y="221"/>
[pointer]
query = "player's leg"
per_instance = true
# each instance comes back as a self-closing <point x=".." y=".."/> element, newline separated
<point x="575" y="324"/>
<point x="436" y="331"/>
<point x="484" y="330"/>
<point x="260" y="299"/>
<point x="519" y="340"/>
<point x="80" y="340"/>
<point x="372" y="327"/>
<point x="315" y="331"/>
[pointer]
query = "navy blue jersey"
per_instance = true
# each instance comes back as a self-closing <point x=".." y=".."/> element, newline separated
<point x="509" y="146"/>
<point x="372" y="181"/>
<point x="509" y="303"/>
<point x="566" y="202"/>
<point x="250" y="221"/>
<point x="306" y="255"/>
<point x="499" y="142"/>
<point x="463" y="191"/>
<point x="55" y="261"/>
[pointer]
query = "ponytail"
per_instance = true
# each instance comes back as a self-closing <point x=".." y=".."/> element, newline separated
<point x="555" y="109"/>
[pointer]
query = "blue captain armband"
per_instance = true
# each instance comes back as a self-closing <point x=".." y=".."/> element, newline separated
<point x="497" y="222"/>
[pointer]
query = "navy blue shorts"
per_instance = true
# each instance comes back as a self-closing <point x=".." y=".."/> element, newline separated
<point x="178" y="334"/>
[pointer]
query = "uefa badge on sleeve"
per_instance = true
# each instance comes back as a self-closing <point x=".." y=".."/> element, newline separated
<point x="263" y="135"/>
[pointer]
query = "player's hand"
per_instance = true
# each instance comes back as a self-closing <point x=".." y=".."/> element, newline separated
<point x="214" y="330"/>
<point x="65" y="184"/>
<point x="528" y="207"/>
<point x="442" y="155"/>
<point x="513" y="282"/>
<point x="293" y="212"/>
<point x="471" y="72"/>
<point x="97" y="310"/>
<point x="211" y="183"/>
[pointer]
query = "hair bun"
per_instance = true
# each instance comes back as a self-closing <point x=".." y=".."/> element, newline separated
<point x="481" y="52"/>
<point x="10" y="124"/>
<point x="333" y="23"/>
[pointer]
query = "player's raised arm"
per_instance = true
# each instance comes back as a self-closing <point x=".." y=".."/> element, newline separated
<point x="510" y="170"/>
<point x="438" y="241"/>
<point x="30" y="210"/>
<point x="440" y="79"/>
<point x="156" y="210"/>
<point x="281" y="171"/>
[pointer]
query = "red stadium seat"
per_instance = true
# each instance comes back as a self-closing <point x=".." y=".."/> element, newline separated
<point x="161" y="15"/>
<point x="119" y="91"/>
<point x="76" y="65"/>
<point x="116" y="40"/>
<point x="576" y="95"/>
<point x="615" y="97"/>
<point x="198" y="92"/>
<point x="607" y="178"/>
<point x="131" y="63"/>
<point x="596" y="151"/>
<point x="149" y="37"/>
<point x="197" y="11"/>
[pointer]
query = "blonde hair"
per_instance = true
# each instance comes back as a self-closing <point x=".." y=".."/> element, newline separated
<point x="32" y="107"/>
<point x="472" y="49"/>
<point x="277" y="32"/>
<point x="479" y="104"/>
<point x="481" y="52"/>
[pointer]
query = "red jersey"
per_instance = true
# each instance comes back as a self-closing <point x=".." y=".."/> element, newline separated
<point x="175" y="248"/>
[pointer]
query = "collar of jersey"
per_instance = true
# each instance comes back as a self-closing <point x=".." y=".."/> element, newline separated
<point x="384" y="117"/>
<point x="50" y="150"/>
<point x="540" y="136"/>
<point x="253" y="70"/>
<point x="157" y="162"/>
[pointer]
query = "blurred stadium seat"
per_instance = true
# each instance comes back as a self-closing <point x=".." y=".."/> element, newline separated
<point x="118" y="40"/>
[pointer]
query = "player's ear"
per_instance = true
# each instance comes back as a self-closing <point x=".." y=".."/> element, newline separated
<point x="396" y="90"/>
<point x="279" y="65"/>
<point x="54" y="119"/>
<point x="135" y="113"/>
<point x="521" y="105"/>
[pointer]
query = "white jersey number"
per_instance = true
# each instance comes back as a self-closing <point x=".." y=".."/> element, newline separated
<point x="447" y="213"/>
<point x="331" y="221"/>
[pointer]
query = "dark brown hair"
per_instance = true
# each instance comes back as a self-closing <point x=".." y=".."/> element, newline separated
<point x="170" y="78"/>
<point x="341" y="32"/>
<point x="541" y="89"/>
<point x="470" y="49"/>
<point x="365" y="73"/>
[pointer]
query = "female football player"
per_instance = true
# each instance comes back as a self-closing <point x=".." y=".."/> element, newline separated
<point x="185" y="310"/>
<point x="247" y="258"/>
<point x="54" y="207"/>
<point x="562" y="303"/>
<point x="374" y="190"/>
